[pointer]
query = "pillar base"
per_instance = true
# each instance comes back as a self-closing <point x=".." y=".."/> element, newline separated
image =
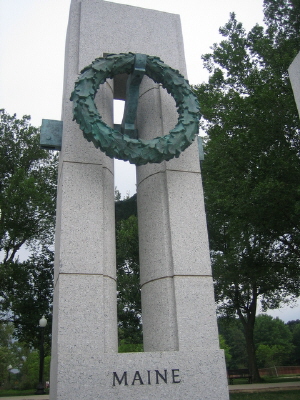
<point x="192" y="375"/>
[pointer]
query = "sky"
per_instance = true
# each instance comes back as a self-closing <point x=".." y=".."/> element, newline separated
<point x="32" y="41"/>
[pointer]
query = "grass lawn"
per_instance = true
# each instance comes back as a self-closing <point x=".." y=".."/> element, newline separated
<point x="280" y="395"/>
<point x="270" y="379"/>
<point x="284" y="378"/>
<point x="9" y="393"/>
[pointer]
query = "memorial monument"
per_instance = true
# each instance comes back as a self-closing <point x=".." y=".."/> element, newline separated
<point x="137" y="55"/>
<point x="294" y="75"/>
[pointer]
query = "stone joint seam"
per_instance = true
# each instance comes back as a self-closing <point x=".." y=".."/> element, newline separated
<point x="175" y="276"/>
<point x="167" y="170"/>
<point x="85" y="274"/>
<point x="110" y="87"/>
<point x="82" y="162"/>
<point x="148" y="90"/>
<point x="87" y="163"/>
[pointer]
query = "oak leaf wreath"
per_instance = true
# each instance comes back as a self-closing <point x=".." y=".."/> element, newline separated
<point x="117" y="145"/>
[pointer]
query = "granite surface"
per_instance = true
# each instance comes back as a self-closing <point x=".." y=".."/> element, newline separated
<point x="294" y="74"/>
<point x="182" y="358"/>
<point x="189" y="375"/>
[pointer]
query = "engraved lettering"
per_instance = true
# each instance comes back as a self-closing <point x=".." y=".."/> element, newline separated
<point x="174" y="376"/>
<point x="137" y="377"/>
<point x="158" y="374"/>
<point x="115" y="377"/>
<point x="140" y="378"/>
<point x="149" y="381"/>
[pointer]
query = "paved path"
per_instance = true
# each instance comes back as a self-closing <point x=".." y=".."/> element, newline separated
<point x="254" y="387"/>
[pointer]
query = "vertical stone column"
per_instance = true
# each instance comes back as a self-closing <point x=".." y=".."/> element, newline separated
<point x="294" y="74"/>
<point x="85" y="308"/>
<point x="174" y="254"/>
<point x="160" y="328"/>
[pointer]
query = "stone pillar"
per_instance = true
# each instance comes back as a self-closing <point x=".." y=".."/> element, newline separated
<point x="182" y="358"/>
<point x="85" y="306"/>
<point x="177" y="290"/>
<point x="294" y="74"/>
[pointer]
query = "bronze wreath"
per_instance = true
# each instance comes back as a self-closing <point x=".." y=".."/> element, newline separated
<point x="112" y="142"/>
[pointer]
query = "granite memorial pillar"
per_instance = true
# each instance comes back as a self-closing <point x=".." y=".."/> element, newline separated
<point x="294" y="74"/>
<point x="182" y="359"/>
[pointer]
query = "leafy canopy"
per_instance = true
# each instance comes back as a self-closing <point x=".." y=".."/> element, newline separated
<point x="251" y="171"/>
<point x="128" y="275"/>
<point x="27" y="214"/>
<point x="27" y="187"/>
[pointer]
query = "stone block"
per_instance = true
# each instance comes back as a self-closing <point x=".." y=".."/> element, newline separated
<point x="195" y="308"/>
<point x="172" y="226"/>
<point x="189" y="375"/>
<point x="145" y="32"/>
<point x="86" y="228"/>
<point x="75" y="148"/>
<point x="178" y="313"/>
<point x="84" y="326"/>
<point x="159" y="315"/>
<point x="188" y="224"/>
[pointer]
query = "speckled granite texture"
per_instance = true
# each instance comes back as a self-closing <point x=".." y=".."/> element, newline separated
<point x="294" y="74"/>
<point x="182" y="358"/>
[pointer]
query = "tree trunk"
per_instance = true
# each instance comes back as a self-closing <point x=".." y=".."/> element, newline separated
<point x="252" y="364"/>
<point x="248" y="322"/>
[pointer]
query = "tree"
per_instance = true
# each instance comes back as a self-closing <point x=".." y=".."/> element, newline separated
<point x="30" y="370"/>
<point x="251" y="171"/>
<point x="20" y="358"/>
<point x="126" y="207"/>
<point x="294" y="327"/>
<point x="27" y="187"/>
<point x="27" y="207"/>
<point x="128" y="275"/>
<point x="231" y="330"/>
<point x="10" y="352"/>
<point x="226" y="348"/>
<point x="273" y="341"/>
<point x="27" y="290"/>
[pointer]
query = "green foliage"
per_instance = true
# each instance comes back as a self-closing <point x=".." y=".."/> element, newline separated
<point x="19" y="357"/>
<point x="273" y="340"/>
<point x="23" y="359"/>
<point x="276" y="343"/>
<point x="17" y="392"/>
<point x="294" y="327"/>
<point x="27" y="206"/>
<point x="26" y="290"/>
<point x="251" y="170"/>
<point x="30" y="370"/>
<point x="231" y="330"/>
<point x="129" y="347"/>
<point x="268" y="356"/>
<point x="271" y="331"/>
<point x="226" y="348"/>
<point x="128" y="275"/>
<point x="9" y="352"/>
<point x="296" y="343"/>
<point x="27" y="187"/>
<point x="125" y="208"/>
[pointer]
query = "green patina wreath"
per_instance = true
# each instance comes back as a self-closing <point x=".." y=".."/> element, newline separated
<point x="112" y="142"/>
